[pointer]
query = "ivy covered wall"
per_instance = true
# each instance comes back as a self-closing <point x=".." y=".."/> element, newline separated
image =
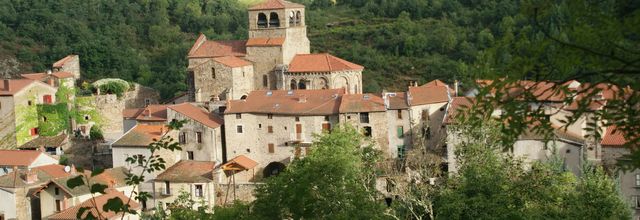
<point x="86" y="111"/>
<point x="53" y="119"/>
<point x="26" y="118"/>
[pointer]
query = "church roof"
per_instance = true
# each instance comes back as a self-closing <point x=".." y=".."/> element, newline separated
<point x="232" y="61"/>
<point x="323" y="62"/>
<point x="265" y="41"/>
<point x="204" y="48"/>
<point x="275" y="4"/>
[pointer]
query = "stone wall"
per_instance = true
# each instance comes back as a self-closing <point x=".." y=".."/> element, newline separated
<point x="394" y="121"/>
<point x="265" y="60"/>
<point x="7" y="123"/>
<point x="73" y="66"/>
<point x="27" y="115"/>
<point x="210" y="147"/>
<point x="432" y="124"/>
<point x="243" y="192"/>
<point x="229" y="83"/>
<point x="109" y="107"/>
<point x="140" y="97"/>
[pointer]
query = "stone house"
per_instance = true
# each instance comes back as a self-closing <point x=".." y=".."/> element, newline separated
<point x="69" y="64"/>
<point x="53" y="145"/>
<point x="201" y="137"/>
<point x="23" y="159"/>
<point x="276" y="56"/>
<point x="100" y="201"/>
<point x="149" y="115"/>
<point x="368" y="114"/>
<point x="16" y="189"/>
<point x="196" y="178"/>
<point x="613" y="147"/>
<point x="135" y="142"/>
<point x="18" y="111"/>
<point x="398" y="122"/>
<point x="427" y="107"/>
<point x="56" y="197"/>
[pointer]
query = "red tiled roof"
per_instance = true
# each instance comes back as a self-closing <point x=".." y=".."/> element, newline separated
<point x="361" y="103"/>
<point x="100" y="201"/>
<point x="232" y="61"/>
<point x="15" y="85"/>
<point x="264" y="41"/>
<point x="457" y="104"/>
<point x="427" y="94"/>
<point x="61" y="75"/>
<point x="141" y="135"/>
<point x="275" y="4"/>
<point x="18" y="157"/>
<point x="198" y="115"/>
<point x="323" y="62"/>
<point x="34" y="76"/>
<point x="241" y="161"/>
<point x="152" y="113"/>
<point x="613" y="138"/>
<point x="209" y="49"/>
<point x="131" y="113"/>
<point x="292" y="102"/>
<point x="53" y="170"/>
<point x="397" y="101"/>
<point x="62" y="61"/>
<point x="436" y="82"/>
<point x="189" y="171"/>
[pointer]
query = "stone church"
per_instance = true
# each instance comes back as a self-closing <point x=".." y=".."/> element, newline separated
<point x="275" y="57"/>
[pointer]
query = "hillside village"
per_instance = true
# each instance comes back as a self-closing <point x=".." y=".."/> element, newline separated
<point x="252" y="106"/>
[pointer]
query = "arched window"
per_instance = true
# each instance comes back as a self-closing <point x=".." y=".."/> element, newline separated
<point x="293" y="84"/>
<point x="274" y="21"/>
<point x="292" y="18"/>
<point x="273" y="169"/>
<point x="262" y="20"/>
<point x="243" y="97"/>
<point x="298" y="17"/>
<point x="302" y="85"/>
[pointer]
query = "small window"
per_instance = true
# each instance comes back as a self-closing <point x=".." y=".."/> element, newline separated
<point x="364" y="117"/>
<point x="248" y="150"/>
<point x="636" y="201"/>
<point x="190" y="155"/>
<point x="270" y="116"/>
<point x="269" y="129"/>
<point x="87" y="117"/>
<point x="29" y="103"/>
<point x="367" y="131"/>
<point x="198" y="191"/>
<point x="183" y="138"/>
<point x="259" y="126"/>
<point x="44" y="118"/>
<point x="399" y="113"/>
<point x="58" y="205"/>
<point x="140" y="162"/>
<point x="238" y="116"/>
<point x="57" y="191"/>
<point x="265" y="80"/>
<point x="34" y="131"/>
<point x="213" y="73"/>
<point x="199" y="137"/>
<point x="326" y="118"/>
<point x="147" y="102"/>
<point x="638" y="180"/>
<point x="297" y="118"/>
<point x="239" y="129"/>
<point x="167" y="189"/>
<point x="400" y="131"/>
<point x="401" y="149"/>
<point x="271" y="148"/>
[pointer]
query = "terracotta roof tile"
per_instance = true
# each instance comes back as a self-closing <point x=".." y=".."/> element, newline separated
<point x="152" y="113"/>
<point x="209" y="49"/>
<point x="15" y="85"/>
<point x="261" y="42"/>
<point x="427" y="94"/>
<point x="436" y="82"/>
<point x="70" y="213"/>
<point x="61" y="75"/>
<point x="240" y="162"/>
<point x="292" y="102"/>
<point x="198" y="115"/>
<point x="18" y="157"/>
<point x="361" y="103"/>
<point x="34" y="76"/>
<point x="44" y="173"/>
<point x="397" y="101"/>
<point x="457" y="104"/>
<point x="131" y="113"/>
<point x="320" y="63"/>
<point x="275" y="4"/>
<point x="189" y="171"/>
<point x="45" y="141"/>
<point x="53" y="170"/>
<point x="141" y="135"/>
<point x="232" y="61"/>
<point x="62" y="61"/>
<point x="613" y="138"/>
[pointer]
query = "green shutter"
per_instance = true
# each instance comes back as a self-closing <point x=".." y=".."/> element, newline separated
<point x="400" y="131"/>
<point x="401" y="151"/>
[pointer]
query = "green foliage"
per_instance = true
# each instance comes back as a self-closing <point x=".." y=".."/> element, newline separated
<point x="64" y="94"/>
<point x="52" y="118"/>
<point x="112" y="86"/>
<point x="95" y="134"/>
<point x="26" y="119"/>
<point x="85" y="111"/>
<point x="333" y="182"/>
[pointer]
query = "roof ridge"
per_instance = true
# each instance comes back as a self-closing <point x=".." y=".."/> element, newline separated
<point x="328" y="61"/>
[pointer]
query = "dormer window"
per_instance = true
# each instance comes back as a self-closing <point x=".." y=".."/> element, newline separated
<point x="262" y="20"/>
<point x="274" y="21"/>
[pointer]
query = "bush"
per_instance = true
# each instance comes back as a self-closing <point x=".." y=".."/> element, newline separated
<point x="95" y="134"/>
<point x="112" y="86"/>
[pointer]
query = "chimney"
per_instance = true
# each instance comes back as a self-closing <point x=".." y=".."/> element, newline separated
<point x="31" y="176"/>
<point x="73" y="169"/>
<point x="51" y="82"/>
<point x="302" y="99"/>
<point x="456" y="84"/>
<point x="385" y="98"/>
<point x="48" y="72"/>
<point x="146" y="112"/>
<point x="7" y="86"/>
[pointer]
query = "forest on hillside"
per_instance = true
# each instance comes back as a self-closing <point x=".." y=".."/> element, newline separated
<point x="147" y="41"/>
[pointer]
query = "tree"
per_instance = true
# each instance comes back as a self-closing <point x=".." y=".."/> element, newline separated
<point x="335" y="181"/>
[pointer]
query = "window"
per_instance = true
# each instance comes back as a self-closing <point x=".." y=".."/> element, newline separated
<point x="213" y="72"/>
<point x="270" y="116"/>
<point x="199" y="137"/>
<point x="326" y="118"/>
<point x="239" y="129"/>
<point x="427" y="133"/>
<point x="400" y="132"/>
<point x="265" y="81"/>
<point x="34" y="131"/>
<point x="364" y="117"/>
<point x="147" y="102"/>
<point x="259" y="126"/>
<point x="274" y="21"/>
<point x="29" y="103"/>
<point x="271" y="148"/>
<point x="58" y="205"/>
<point x="401" y="151"/>
<point x="167" y="189"/>
<point x="47" y="99"/>
<point x="262" y="20"/>
<point x="183" y="138"/>
<point x="297" y="118"/>
<point x="636" y="201"/>
<point x="269" y="129"/>
<point x="140" y="162"/>
<point x="57" y="191"/>
<point x="199" y="191"/>
<point x="190" y="155"/>
<point x="367" y="131"/>
<point x="238" y="116"/>
<point x="638" y="180"/>
<point x="399" y="113"/>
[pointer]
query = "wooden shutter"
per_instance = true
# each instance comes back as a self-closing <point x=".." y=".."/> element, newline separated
<point x="272" y="148"/>
<point x="326" y="127"/>
<point x="298" y="131"/>
<point x="270" y="129"/>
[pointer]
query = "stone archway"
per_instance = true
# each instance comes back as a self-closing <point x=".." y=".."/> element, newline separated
<point x="321" y="83"/>
<point x="341" y="82"/>
<point x="302" y="84"/>
<point x="273" y="169"/>
<point x="293" y="85"/>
